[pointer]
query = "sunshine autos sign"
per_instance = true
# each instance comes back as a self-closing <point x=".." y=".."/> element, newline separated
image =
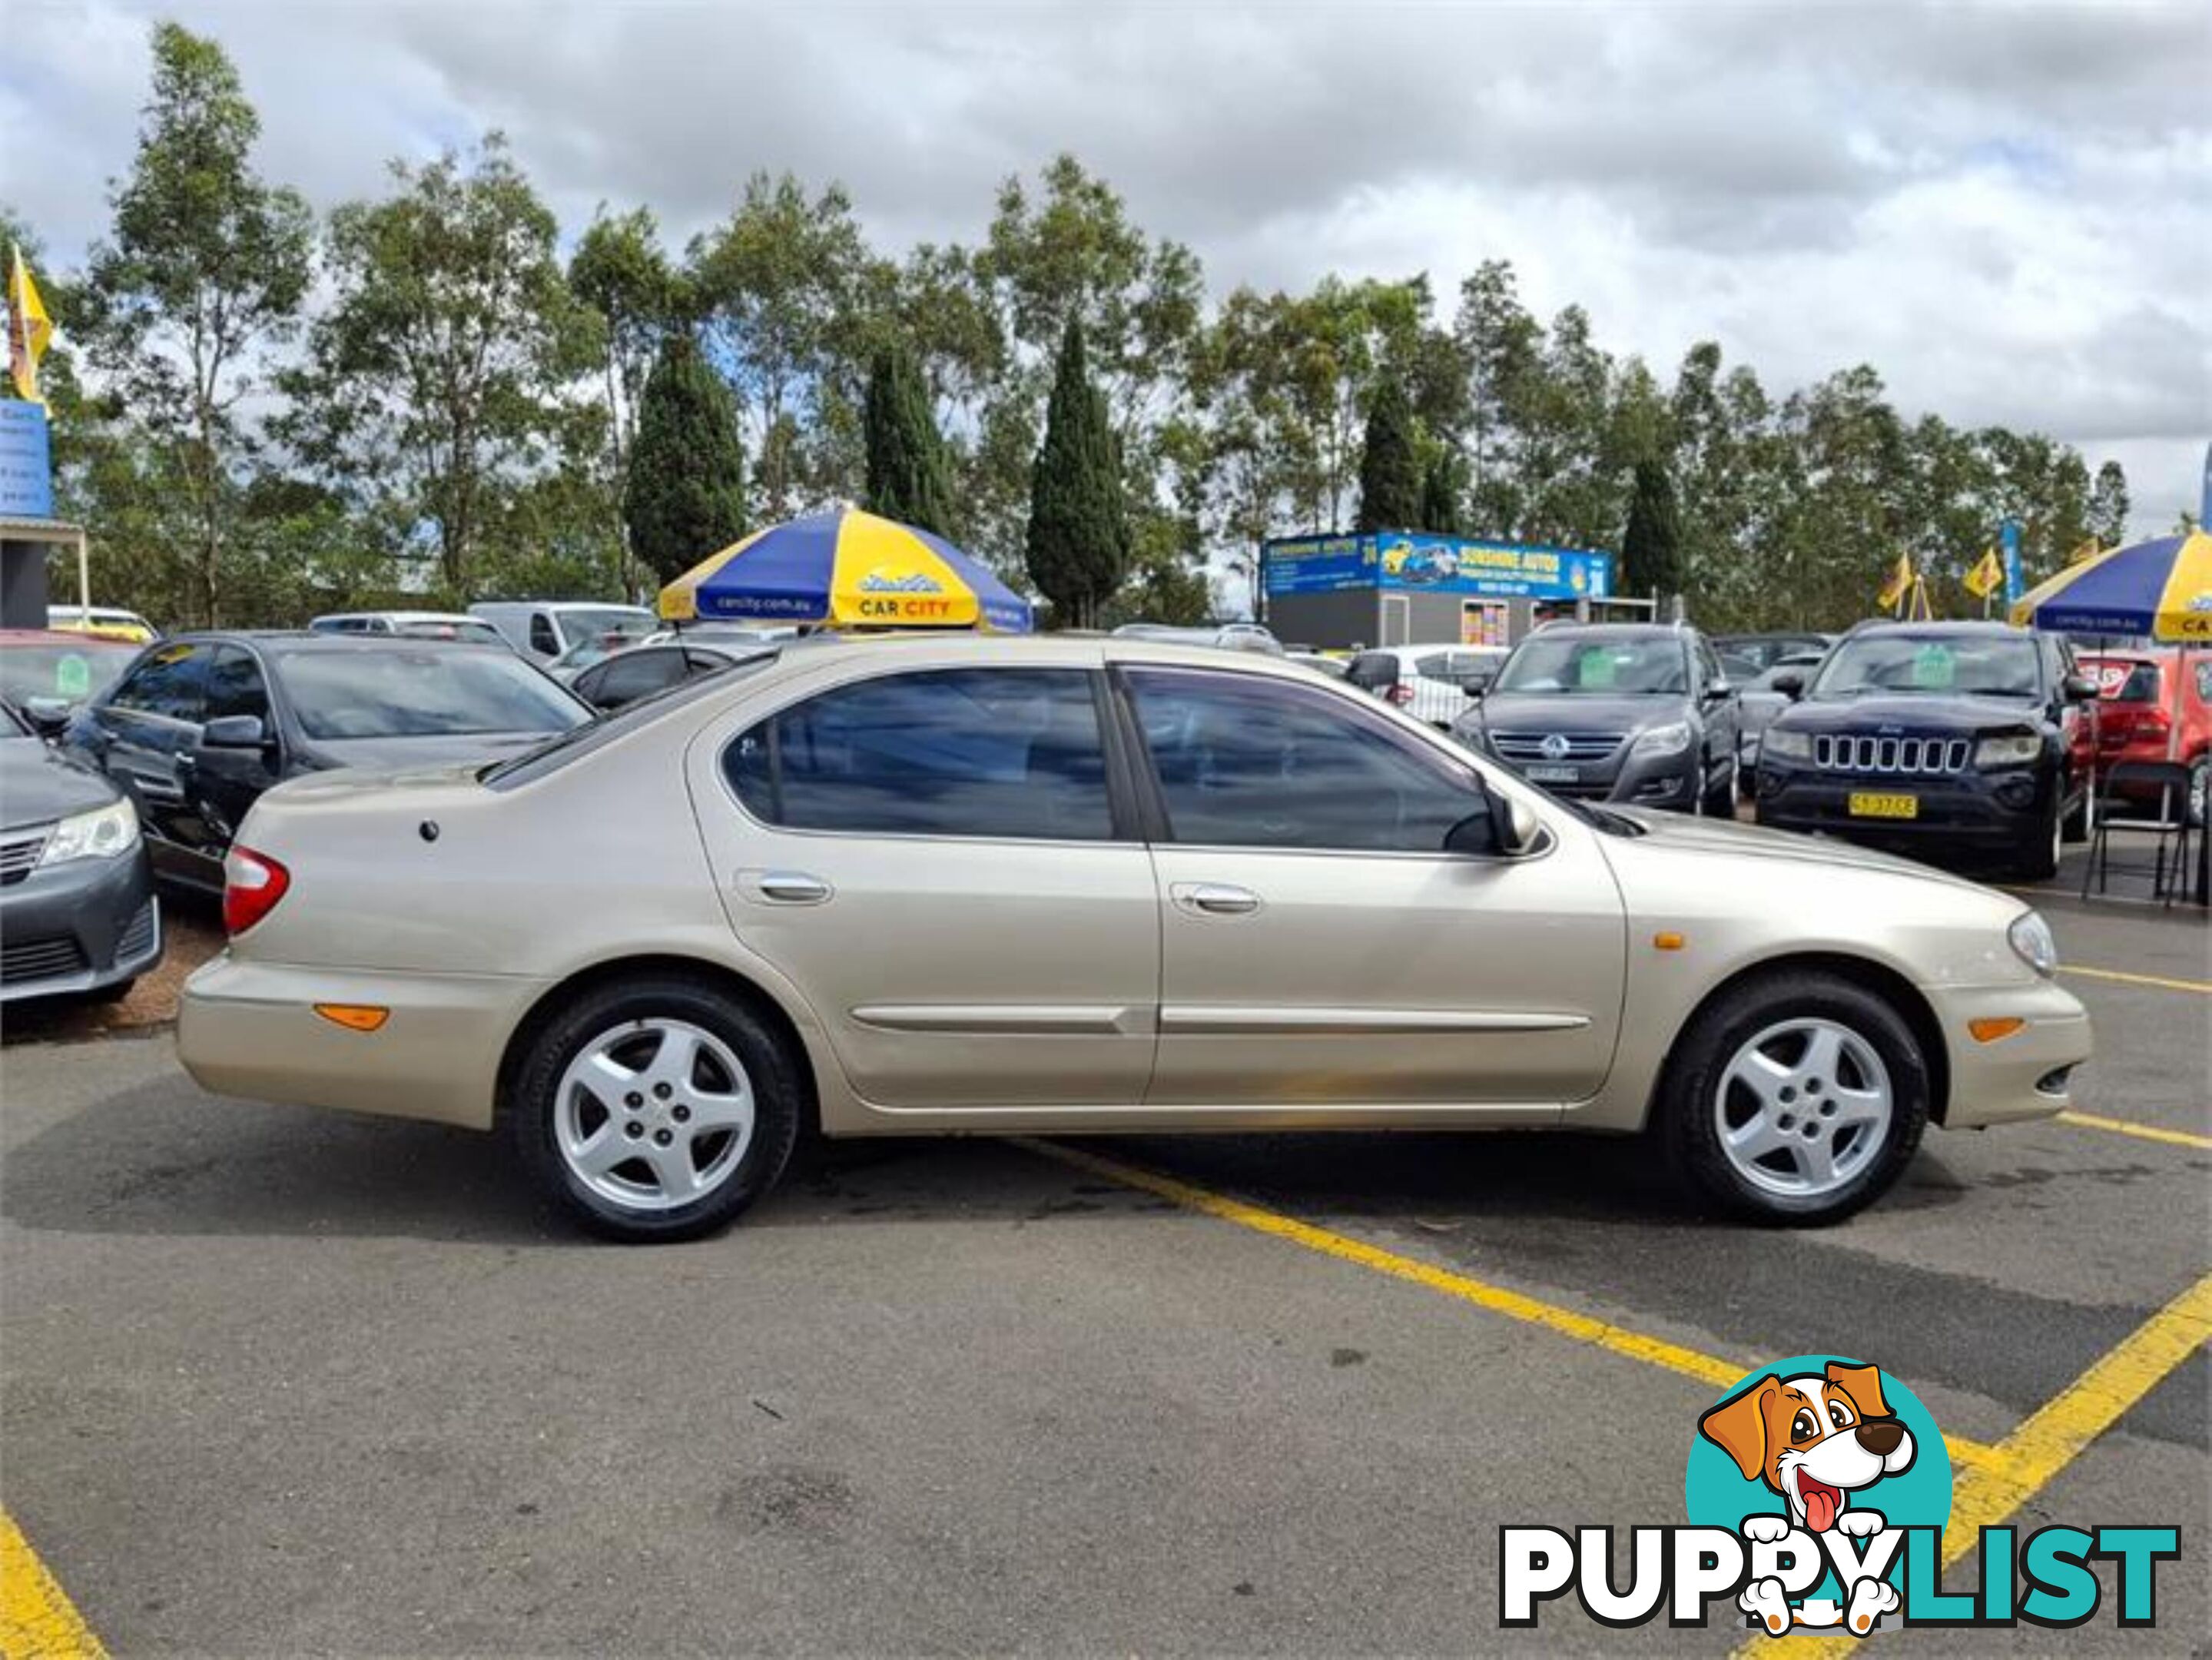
<point x="1419" y="561"/>
<point x="1817" y="1491"/>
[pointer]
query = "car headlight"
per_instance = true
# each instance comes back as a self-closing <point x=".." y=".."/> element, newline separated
<point x="1786" y="745"/>
<point x="104" y="833"/>
<point x="1670" y="740"/>
<point x="2016" y="749"/>
<point x="2031" y="939"/>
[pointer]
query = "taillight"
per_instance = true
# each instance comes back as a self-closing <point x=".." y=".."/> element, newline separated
<point x="1400" y="694"/>
<point x="252" y="883"/>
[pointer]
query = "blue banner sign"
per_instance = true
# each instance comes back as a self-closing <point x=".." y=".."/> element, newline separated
<point x="1418" y="562"/>
<point x="27" y="465"/>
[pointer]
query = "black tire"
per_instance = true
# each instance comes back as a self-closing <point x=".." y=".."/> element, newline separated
<point x="772" y="1071"/>
<point x="103" y="995"/>
<point x="1720" y="800"/>
<point x="2076" y="830"/>
<point x="1689" y="1128"/>
<point x="2039" y="863"/>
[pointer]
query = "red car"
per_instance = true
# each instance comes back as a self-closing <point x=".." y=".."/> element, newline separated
<point x="2136" y="713"/>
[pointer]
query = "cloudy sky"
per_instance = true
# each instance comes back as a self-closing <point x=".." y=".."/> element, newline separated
<point x="2006" y="209"/>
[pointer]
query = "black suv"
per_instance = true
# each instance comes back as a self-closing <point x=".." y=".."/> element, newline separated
<point x="1636" y="713"/>
<point x="1935" y="737"/>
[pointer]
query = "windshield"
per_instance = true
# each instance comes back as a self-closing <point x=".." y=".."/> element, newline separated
<point x="1647" y="667"/>
<point x="81" y="669"/>
<point x="423" y="693"/>
<point x="1932" y="665"/>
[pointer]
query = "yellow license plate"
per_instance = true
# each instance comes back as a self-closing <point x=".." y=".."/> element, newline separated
<point x="1878" y="804"/>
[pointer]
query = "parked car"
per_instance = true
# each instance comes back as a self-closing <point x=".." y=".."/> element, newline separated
<point x="1763" y="651"/>
<point x="1334" y="667"/>
<point x="643" y="669"/>
<point x="44" y="672"/>
<point x="1934" y="738"/>
<point x="204" y="724"/>
<point x="1225" y="636"/>
<point x="542" y="629"/>
<point x="1429" y="683"/>
<point x="1631" y="712"/>
<point x="1073" y="886"/>
<point x="77" y="910"/>
<point x="418" y="624"/>
<point x="1758" y="702"/>
<point x="2135" y="710"/>
<point x="107" y="622"/>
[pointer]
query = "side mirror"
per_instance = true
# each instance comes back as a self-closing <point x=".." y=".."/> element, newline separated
<point x="1503" y="828"/>
<point x="1719" y="690"/>
<point x="233" y="732"/>
<point x="1792" y="686"/>
<point x="2080" y="689"/>
<point x="47" y="715"/>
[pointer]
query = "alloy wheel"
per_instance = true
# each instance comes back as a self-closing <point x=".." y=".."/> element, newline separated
<point x="653" y="1114"/>
<point x="1803" y="1108"/>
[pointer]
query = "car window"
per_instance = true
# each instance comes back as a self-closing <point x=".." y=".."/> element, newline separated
<point x="1247" y="761"/>
<point x="394" y="691"/>
<point x="632" y="675"/>
<point x="234" y="685"/>
<point x="542" y="637"/>
<point x="170" y="682"/>
<point x="987" y="752"/>
<point x="71" y="671"/>
<point x="1936" y="664"/>
<point x="2204" y="683"/>
<point x="1607" y="666"/>
<point x="2120" y="681"/>
<point x="1437" y="666"/>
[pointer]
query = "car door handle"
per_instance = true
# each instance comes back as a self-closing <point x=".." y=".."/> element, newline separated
<point x="791" y="887"/>
<point x="1214" y="898"/>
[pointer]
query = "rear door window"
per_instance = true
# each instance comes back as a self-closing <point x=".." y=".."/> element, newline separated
<point x="235" y="686"/>
<point x="1000" y="753"/>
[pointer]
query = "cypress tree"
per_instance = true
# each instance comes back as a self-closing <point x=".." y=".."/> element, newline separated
<point x="1651" y="548"/>
<point x="1440" y="495"/>
<point x="1389" y="468"/>
<point x="1079" y="536"/>
<point x="907" y="478"/>
<point x="685" y="496"/>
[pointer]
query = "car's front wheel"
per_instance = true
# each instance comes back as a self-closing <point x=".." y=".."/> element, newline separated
<point x="655" y="1109"/>
<point x="1796" y="1098"/>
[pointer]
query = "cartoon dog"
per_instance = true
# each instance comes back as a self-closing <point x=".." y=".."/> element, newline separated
<point x="1816" y="1440"/>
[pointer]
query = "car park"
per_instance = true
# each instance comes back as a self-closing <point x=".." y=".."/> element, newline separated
<point x="77" y="911"/>
<point x="418" y="624"/>
<point x="1638" y="713"/>
<point x="1429" y="683"/>
<point x="202" y="724"/>
<point x="1936" y="738"/>
<point x="544" y="630"/>
<point x="46" y="672"/>
<point x="915" y="885"/>
<point x="108" y="621"/>
<point x="1758" y="700"/>
<point x="2154" y="705"/>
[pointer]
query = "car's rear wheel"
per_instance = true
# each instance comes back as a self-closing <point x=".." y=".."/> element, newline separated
<point x="655" y="1109"/>
<point x="1796" y="1098"/>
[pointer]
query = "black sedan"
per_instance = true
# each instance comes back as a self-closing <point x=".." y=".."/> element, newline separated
<point x="642" y="671"/>
<point x="202" y="724"/>
<point x="77" y="911"/>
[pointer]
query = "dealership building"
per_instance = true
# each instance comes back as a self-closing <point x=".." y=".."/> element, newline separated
<point x="1410" y="587"/>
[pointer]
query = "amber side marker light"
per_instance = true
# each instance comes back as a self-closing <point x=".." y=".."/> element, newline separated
<point x="1990" y="1030"/>
<point x="354" y="1017"/>
<point x="1667" y="942"/>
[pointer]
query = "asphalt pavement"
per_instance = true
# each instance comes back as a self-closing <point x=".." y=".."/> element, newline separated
<point x="280" y="1382"/>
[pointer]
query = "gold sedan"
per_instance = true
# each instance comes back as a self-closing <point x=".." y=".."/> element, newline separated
<point x="920" y="885"/>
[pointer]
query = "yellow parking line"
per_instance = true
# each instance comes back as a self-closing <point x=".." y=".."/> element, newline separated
<point x="2050" y="1439"/>
<point x="2090" y="1120"/>
<point x="37" y="1620"/>
<point x="2202" y="987"/>
<point x="1497" y="1300"/>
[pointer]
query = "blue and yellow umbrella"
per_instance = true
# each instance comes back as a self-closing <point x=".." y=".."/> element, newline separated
<point x="848" y="569"/>
<point x="2161" y="590"/>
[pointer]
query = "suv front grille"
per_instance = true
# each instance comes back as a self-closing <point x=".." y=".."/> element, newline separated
<point x="1529" y="746"/>
<point x="1922" y="755"/>
<point x="20" y="851"/>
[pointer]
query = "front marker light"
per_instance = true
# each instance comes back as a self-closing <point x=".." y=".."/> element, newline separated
<point x="1670" y="740"/>
<point x="2013" y="750"/>
<point x="104" y="833"/>
<point x="2031" y="939"/>
<point x="1786" y="745"/>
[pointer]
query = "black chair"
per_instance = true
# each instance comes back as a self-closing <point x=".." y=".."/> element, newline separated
<point x="2121" y="796"/>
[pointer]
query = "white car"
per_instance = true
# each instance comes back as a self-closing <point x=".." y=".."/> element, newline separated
<point x="421" y="625"/>
<point x="542" y="629"/>
<point x="1429" y="683"/>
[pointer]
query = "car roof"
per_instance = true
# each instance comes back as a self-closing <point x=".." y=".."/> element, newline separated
<point x="1970" y="626"/>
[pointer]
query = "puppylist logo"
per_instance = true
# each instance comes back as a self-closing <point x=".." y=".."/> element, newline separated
<point x="1818" y="1491"/>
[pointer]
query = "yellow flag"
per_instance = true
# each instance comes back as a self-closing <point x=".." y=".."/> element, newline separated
<point x="1899" y="583"/>
<point x="29" y="328"/>
<point x="1987" y="575"/>
<point x="2087" y="551"/>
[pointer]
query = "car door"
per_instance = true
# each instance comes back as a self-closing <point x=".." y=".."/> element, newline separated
<point x="932" y="857"/>
<point x="221" y="784"/>
<point x="1319" y="947"/>
<point x="140" y="735"/>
